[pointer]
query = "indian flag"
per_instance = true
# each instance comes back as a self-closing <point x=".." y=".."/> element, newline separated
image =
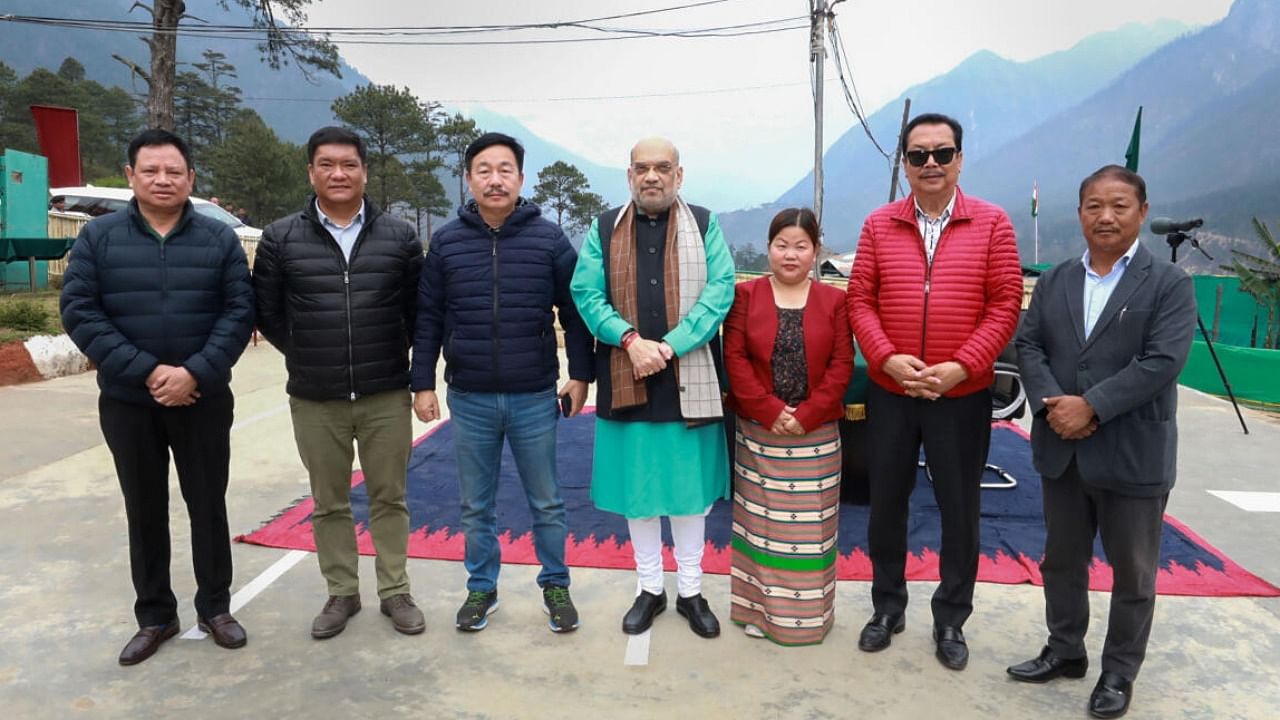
<point x="1035" y="199"/>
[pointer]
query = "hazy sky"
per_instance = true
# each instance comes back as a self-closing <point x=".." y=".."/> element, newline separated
<point x="740" y="109"/>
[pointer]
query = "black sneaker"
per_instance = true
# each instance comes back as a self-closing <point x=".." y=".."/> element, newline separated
<point x="474" y="614"/>
<point x="559" y="608"/>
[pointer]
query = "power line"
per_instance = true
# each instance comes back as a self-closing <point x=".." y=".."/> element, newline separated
<point x="362" y="35"/>
<point x="575" y="98"/>
<point x="374" y="29"/>
<point x="850" y="91"/>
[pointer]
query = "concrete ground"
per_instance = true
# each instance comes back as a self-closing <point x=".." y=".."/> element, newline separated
<point x="64" y="587"/>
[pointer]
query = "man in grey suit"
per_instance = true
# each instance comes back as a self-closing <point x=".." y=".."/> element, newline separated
<point x="1100" y="350"/>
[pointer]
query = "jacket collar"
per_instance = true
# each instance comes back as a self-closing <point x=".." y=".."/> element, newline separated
<point x="905" y="209"/>
<point x="525" y="211"/>
<point x="371" y="210"/>
<point x="135" y="214"/>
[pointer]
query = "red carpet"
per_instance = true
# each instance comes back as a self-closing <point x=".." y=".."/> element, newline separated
<point x="1012" y="526"/>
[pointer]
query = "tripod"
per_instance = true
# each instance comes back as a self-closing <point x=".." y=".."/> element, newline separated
<point x="1175" y="239"/>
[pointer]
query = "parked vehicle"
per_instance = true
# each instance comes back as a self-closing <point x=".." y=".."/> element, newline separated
<point x="94" y="201"/>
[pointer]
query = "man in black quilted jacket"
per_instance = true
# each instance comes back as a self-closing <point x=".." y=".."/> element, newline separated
<point x="158" y="297"/>
<point x="493" y="280"/>
<point x="335" y="286"/>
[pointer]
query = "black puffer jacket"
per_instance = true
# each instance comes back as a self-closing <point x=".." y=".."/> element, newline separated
<point x="131" y="302"/>
<point x="344" y="328"/>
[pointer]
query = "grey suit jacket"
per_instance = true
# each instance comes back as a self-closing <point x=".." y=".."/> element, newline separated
<point x="1127" y="370"/>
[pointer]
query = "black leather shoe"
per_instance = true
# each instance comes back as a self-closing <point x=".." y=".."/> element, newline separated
<point x="879" y="631"/>
<point x="951" y="652"/>
<point x="643" y="610"/>
<point x="1111" y="696"/>
<point x="227" y="632"/>
<point x="146" y="641"/>
<point x="1047" y="667"/>
<point x="701" y="620"/>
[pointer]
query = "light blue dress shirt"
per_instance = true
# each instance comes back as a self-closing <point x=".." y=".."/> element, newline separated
<point x="346" y="235"/>
<point x="1098" y="288"/>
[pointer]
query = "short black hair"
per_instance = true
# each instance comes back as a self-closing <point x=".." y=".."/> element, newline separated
<point x="933" y="119"/>
<point x="1116" y="172"/>
<point x="331" y="135"/>
<point x="156" y="137"/>
<point x="490" y="139"/>
<point x="801" y="217"/>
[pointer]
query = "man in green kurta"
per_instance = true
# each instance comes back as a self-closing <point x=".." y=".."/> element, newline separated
<point x="654" y="282"/>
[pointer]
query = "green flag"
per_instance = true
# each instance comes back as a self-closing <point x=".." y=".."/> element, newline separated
<point x="1131" y="155"/>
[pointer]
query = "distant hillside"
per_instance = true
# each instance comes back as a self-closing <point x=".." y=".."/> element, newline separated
<point x="286" y="100"/>
<point x="996" y="100"/>
<point x="609" y="182"/>
<point x="1209" y="104"/>
<point x="290" y="103"/>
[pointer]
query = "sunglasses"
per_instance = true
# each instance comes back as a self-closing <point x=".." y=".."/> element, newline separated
<point x="918" y="158"/>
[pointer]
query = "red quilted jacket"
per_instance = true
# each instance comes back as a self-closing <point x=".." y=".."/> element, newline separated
<point x="963" y="308"/>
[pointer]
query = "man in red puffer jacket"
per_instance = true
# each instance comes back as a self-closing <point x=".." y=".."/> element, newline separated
<point x="933" y="299"/>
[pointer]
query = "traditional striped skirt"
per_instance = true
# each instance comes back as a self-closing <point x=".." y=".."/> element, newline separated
<point x="786" y="507"/>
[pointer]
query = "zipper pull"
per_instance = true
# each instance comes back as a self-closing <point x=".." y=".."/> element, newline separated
<point x="926" y="287"/>
<point x="346" y="280"/>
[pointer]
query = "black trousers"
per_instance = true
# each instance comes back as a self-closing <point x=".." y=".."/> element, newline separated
<point x="956" y="434"/>
<point x="199" y="436"/>
<point x="1074" y="512"/>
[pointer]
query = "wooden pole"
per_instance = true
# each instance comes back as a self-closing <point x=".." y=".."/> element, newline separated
<point x="897" y="152"/>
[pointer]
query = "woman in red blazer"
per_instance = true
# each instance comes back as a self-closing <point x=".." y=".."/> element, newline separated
<point x="788" y="351"/>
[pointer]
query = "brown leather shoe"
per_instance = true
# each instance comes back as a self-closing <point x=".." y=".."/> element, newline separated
<point x="333" y="618"/>
<point x="146" y="641"/>
<point x="226" y="631"/>
<point x="405" y="615"/>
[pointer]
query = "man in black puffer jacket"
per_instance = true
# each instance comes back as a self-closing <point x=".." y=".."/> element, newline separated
<point x="492" y="281"/>
<point x="336" y="287"/>
<point x="158" y="296"/>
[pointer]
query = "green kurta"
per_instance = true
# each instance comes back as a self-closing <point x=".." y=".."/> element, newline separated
<point x="646" y="469"/>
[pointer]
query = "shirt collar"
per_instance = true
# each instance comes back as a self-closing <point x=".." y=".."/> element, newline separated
<point x="946" y="212"/>
<point x="328" y="221"/>
<point x="1122" y="262"/>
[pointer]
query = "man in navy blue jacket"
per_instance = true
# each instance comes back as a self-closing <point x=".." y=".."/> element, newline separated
<point x="158" y="296"/>
<point x="489" y="285"/>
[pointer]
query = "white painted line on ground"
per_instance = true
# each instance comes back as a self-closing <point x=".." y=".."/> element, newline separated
<point x="637" y="649"/>
<point x="255" y="586"/>
<point x="259" y="417"/>
<point x="1250" y="501"/>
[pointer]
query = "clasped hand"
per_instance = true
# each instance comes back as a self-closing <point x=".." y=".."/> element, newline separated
<point x="172" y="386"/>
<point x="648" y="357"/>
<point x="1071" y="416"/>
<point x="924" y="381"/>
<point x="786" y="424"/>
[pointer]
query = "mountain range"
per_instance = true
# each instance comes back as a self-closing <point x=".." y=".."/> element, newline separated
<point x="292" y="104"/>
<point x="1209" y="97"/>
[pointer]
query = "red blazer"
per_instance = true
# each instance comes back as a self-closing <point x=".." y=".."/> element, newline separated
<point x="965" y="309"/>
<point x="749" y="333"/>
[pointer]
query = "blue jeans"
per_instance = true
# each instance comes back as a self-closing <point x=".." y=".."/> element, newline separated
<point x="527" y="421"/>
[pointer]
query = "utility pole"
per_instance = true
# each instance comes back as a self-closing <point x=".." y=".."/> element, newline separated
<point x="820" y="13"/>
<point x="897" y="152"/>
<point x="818" y="57"/>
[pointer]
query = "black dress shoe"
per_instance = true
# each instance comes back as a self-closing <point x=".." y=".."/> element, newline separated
<point x="879" y="631"/>
<point x="951" y="652"/>
<point x="640" y="616"/>
<point x="1047" y="667"/>
<point x="146" y="641"/>
<point x="227" y="632"/>
<point x="701" y="620"/>
<point x="1111" y="696"/>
